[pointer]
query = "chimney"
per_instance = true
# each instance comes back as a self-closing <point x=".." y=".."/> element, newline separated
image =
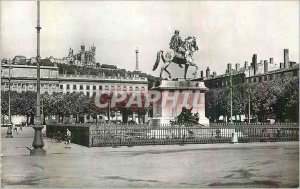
<point x="281" y="65"/>
<point x="271" y="61"/>
<point x="229" y="68"/>
<point x="292" y="63"/>
<point x="207" y="72"/>
<point x="201" y="74"/>
<point x="254" y="63"/>
<point x="266" y="66"/>
<point x="214" y="74"/>
<point x="246" y="64"/>
<point x="286" y="58"/>
<point x="237" y="66"/>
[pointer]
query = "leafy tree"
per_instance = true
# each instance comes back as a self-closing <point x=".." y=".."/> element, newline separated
<point x="14" y="102"/>
<point x="125" y="111"/>
<point x="59" y="106"/>
<point x="4" y="103"/>
<point x="287" y="104"/>
<point x="277" y="97"/>
<point x="143" y="110"/>
<point x="46" y="62"/>
<point x="213" y="100"/>
<point x="186" y="117"/>
<point x="27" y="104"/>
<point x="47" y="102"/>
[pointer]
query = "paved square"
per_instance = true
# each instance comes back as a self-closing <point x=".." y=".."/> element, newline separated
<point x="201" y="165"/>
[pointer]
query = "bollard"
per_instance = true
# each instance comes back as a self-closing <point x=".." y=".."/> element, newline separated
<point x="234" y="138"/>
<point x="9" y="131"/>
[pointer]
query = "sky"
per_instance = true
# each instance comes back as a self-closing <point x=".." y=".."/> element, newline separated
<point x="226" y="31"/>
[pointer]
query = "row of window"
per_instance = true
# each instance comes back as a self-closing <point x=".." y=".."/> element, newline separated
<point x="46" y="86"/>
<point x="118" y="88"/>
<point x="87" y="93"/>
<point x="254" y="79"/>
<point x="260" y="79"/>
<point x="270" y="77"/>
<point x="227" y="82"/>
<point x="31" y="85"/>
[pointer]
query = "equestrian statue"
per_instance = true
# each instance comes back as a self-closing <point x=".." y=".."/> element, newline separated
<point x="181" y="54"/>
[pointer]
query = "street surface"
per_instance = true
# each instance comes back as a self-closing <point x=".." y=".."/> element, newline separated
<point x="190" y="166"/>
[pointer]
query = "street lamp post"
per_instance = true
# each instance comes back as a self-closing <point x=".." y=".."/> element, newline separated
<point x="109" y="101"/>
<point x="38" y="142"/>
<point x="249" y="108"/>
<point x="9" y="129"/>
<point x="230" y="95"/>
<point x="0" y="92"/>
<point x="42" y="115"/>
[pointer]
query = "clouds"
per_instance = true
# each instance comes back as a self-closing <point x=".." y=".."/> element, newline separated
<point x="226" y="31"/>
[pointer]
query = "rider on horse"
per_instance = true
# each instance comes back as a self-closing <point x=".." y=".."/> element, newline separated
<point x="178" y="46"/>
<point x="181" y="54"/>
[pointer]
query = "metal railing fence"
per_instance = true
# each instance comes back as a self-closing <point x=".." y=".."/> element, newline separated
<point x="137" y="135"/>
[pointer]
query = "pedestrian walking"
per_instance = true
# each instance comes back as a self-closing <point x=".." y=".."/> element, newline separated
<point x="15" y="128"/>
<point x="58" y="137"/>
<point x="68" y="139"/>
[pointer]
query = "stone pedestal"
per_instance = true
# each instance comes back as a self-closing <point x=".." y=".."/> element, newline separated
<point x="174" y="95"/>
<point x="38" y="142"/>
<point x="38" y="152"/>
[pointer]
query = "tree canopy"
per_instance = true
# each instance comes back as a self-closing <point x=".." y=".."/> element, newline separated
<point x="276" y="98"/>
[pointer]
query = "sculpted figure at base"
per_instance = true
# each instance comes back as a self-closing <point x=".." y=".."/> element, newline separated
<point x="181" y="54"/>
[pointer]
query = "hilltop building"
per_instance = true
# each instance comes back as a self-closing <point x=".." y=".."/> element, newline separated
<point x="85" y="57"/>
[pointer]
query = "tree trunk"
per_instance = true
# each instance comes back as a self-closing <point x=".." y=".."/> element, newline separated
<point x="44" y="120"/>
<point x="27" y="119"/>
<point x="125" y="117"/>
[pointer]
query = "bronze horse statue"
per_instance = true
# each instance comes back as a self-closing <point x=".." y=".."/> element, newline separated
<point x="187" y="59"/>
